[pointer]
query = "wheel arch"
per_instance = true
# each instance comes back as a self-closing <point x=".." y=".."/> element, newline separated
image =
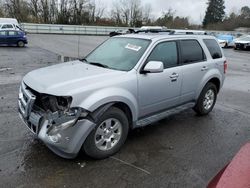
<point x="117" y="97"/>
<point x="214" y="78"/>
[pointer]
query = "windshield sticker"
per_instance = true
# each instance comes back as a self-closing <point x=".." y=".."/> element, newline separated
<point x="133" y="47"/>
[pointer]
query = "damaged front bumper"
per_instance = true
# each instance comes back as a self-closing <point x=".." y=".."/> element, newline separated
<point x="64" y="135"/>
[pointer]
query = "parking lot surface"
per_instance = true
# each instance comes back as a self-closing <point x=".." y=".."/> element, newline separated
<point x="183" y="150"/>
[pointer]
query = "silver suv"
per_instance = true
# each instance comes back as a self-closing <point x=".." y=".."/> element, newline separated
<point x="127" y="82"/>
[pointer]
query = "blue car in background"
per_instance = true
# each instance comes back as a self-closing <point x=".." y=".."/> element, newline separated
<point x="225" y="40"/>
<point x="13" y="37"/>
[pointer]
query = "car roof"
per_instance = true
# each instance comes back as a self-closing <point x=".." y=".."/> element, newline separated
<point x="161" y="36"/>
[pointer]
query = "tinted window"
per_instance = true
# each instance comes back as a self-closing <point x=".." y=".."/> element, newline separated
<point x="213" y="48"/>
<point x="165" y="52"/>
<point x="6" y="26"/>
<point x="12" y="33"/>
<point x="191" y="51"/>
<point x="3" y="33"/>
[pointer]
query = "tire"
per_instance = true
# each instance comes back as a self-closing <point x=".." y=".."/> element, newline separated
<point x="20" y="44"/>
<point x="226" y="45"/>
<point x="206" y="100"/>
<point x="106" y="139"/>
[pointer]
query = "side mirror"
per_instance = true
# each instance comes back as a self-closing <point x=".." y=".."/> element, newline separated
<point x="153" y="67"/>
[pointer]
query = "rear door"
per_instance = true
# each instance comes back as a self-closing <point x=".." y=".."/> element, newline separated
<point x="160" y="91"/>
<point x="194" y="66"/>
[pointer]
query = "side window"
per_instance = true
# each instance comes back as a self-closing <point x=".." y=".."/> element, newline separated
<point x="191" y="51"/>
<point x="165" y="52"/>
<point x="12" y="33"/>
<point x="3" y="33"/>
<point x="213" y="48"/>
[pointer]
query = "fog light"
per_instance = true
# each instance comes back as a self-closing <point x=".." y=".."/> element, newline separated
<point x="55" y="138"/>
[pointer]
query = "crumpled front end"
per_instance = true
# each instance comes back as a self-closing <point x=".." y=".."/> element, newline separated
<point x="51" y="118"/>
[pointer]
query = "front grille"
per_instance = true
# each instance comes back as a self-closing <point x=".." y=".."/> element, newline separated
<point x="239" y="45"/>
<point x="26" y="100"/>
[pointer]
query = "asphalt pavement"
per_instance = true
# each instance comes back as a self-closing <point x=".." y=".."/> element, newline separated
<point x="183" y="150"/>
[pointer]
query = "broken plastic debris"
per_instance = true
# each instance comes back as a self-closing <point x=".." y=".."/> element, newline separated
<point x="5" y="69"/>
<point x="82" y="165"/>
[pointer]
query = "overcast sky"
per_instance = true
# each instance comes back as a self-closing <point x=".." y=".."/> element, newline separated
<point x="194" y="9"/>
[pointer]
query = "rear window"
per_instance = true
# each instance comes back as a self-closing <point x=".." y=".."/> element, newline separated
<point x="213" y="48"/>
<point x="191" y="51"/>
<point x="7" y="26"/>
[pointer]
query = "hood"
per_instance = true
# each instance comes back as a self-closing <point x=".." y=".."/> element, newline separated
<point x="62" y="79"/>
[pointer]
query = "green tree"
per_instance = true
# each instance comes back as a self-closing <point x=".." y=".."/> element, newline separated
<point x="215" y="12"/>
<point x="245" y="12"/>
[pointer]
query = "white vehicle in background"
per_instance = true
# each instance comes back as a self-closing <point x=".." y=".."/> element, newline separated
<point x="152" y="28"/>
<point x="9" y="24"/>
<point x="188" y="32"/>
<point x="9" y="20"/>
<point x="242" y="43"/>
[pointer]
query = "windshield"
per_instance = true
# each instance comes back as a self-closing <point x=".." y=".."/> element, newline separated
<point x="119" y="53"/>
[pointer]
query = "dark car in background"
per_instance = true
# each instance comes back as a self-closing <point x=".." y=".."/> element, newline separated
<point x="12" y="37"/>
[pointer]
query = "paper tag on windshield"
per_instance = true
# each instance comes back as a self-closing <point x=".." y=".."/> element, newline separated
<point x="133" y="47"/>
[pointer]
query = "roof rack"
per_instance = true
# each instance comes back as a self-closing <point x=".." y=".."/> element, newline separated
<point x="153" y="31"/>
<point x="188" y="32"/>
<point x="172" y="31"/>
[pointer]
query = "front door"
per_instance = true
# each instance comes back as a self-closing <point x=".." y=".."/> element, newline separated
<point x="160" y="91"/>
<point x="12" y="37"/>
<point x="3" y="37"/>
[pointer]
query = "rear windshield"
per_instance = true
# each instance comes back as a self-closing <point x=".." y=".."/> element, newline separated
<point x="213" y="48"/>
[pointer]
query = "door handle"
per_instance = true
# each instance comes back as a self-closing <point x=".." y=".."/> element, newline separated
<point x="174" y="75"/>
<point x="204" y="68"/>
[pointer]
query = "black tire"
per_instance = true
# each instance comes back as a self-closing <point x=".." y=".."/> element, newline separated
<point x="226" y="45"/>
<point x="200" y="108"/>
<point x="91" y="149"/>
<point x="20" y="44"/>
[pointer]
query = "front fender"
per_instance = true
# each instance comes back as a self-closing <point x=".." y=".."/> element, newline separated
<point x="108" y="95"/>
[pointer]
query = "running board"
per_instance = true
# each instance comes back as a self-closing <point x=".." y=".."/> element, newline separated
<point x="157" y="117"/>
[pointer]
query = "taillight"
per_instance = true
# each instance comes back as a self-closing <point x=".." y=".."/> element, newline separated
<point x="225" y="67"/>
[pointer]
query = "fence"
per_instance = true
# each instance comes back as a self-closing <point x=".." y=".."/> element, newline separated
<point x="68" y="29"/>
<point x="89" y="30"/>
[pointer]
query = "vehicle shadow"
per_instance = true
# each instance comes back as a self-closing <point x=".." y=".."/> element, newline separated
<point x="12" y="47"/>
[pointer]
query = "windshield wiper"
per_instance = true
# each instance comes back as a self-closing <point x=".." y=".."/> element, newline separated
<point x="94" y="63"/>
<point x="83" y="60"/>
<point x="99" y="64"/>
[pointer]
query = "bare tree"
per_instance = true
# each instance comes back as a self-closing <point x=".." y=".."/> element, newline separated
<point x="35" y="9"/>
<point x="17" y="8"/>
<point x="45" y="11"/>
<point x="146" y="14"/>
<point x="135" y="13"/>
<point x="116" y="13"/>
